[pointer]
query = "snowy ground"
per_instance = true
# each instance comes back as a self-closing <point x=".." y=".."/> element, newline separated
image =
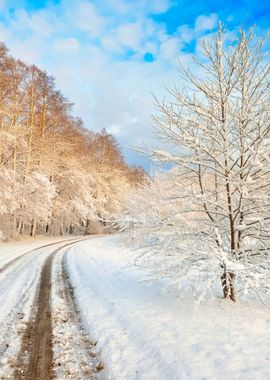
<point x="142" y="332"/>
<point x="146" y="334"/>
<point x="21" y="266"/>
<point x="11" y="250"/>
<point x="17" y="289"/>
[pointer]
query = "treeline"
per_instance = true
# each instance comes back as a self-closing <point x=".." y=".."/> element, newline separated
<point x="56" y="176"/>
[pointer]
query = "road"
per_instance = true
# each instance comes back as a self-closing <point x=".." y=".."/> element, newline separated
<point x="41" y="336"/>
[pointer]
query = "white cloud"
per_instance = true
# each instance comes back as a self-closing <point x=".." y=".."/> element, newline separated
<point x="124" y="7"/>
<point x="130" y="35"/>
<point x="121" y="7"/>
<point x="40" y="23"/>
<point x="67" y="45"/>
<point x="206" y="23"/>
<point x="140" y="36"/>
<point x="186" y="33"/>
<point x="2" y="4"/>
<point x="31" y="50"/>
<point x="4" y="33"/>
<point x="160" y="6"/>
<point x="111" y="43"/>
<point x="170" y="49"/>
<point x="87" y="18"/>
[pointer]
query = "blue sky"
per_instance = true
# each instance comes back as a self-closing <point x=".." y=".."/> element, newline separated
<point x="110" y="56"/>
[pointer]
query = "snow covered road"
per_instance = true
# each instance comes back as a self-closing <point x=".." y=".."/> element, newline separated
<point x="28" y="314"/>
<point x="62" y="303"/>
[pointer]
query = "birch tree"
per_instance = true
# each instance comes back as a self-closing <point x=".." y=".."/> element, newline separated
<point x="218" y="126"/>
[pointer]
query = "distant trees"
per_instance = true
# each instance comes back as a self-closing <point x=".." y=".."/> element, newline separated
<point x="218" y="127"/>
<point x="55" y="174"/>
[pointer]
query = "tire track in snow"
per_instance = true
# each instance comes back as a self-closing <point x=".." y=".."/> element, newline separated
<point x="16" y="297"/>
<point x="35" y="358"/>
<point x="75" y="355"/>
<point x="17" y="291"/>
<point x="38" y="335"/>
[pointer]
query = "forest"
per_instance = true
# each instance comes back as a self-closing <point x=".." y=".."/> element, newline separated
<point x="57" y="177"/>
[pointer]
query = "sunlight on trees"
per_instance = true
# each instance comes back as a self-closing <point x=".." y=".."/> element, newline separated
<point x="56" y="176"/>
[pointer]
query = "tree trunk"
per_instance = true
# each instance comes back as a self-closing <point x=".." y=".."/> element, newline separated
<point x="31" y="132"/>
<point x="33" y="228"/>
<point x="42" y="136"/>
<point x="21" y="227"/>
<point x="87" y="227"/>
<point x="228" y="285"/>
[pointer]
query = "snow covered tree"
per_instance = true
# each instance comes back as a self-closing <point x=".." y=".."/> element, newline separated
<point x="63" y="176"/>
<point x="9" y="200"/>
<point x="219" y="128"/>
<point x="36" y="202"/>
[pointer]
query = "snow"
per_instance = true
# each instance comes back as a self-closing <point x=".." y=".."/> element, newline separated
<point x="18" y="284"/>
<point x="17" y="289"/>
<point x="145" y="333"/>
<point x="11" y="250"/>
<point x="71" y="346"/>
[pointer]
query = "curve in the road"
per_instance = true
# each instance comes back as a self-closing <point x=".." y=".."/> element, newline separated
<point x="18" y="258"/>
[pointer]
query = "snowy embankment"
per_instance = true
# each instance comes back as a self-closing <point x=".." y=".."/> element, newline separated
<point x="147" y="334"/>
